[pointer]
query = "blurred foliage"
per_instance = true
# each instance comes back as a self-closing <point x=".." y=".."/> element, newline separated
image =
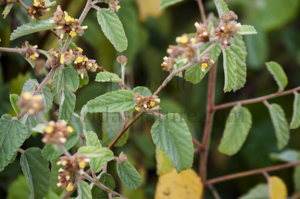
<point x="149" y="33"/>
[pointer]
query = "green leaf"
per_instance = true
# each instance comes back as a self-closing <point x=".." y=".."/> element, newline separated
<point x="129" y="175"/>
<point x="144" y="91"/>
<point x="221" y="7"/>
<point x="107" y="180"/>
<point x="116" y="101"/>
<point x="21" y="185"/>
<point x="112" y="125"/>
<point x="166" y="3"/>
<point x="92" y="140"/>
<point x="241" y="67"/>
<point x="237" y="127"/>
<point x="295" y="123"/>
<point x="39" y="128"/>
<point x="14" y="98"/>
<point x="51" y="151"/>
<point x="172" y="136"/>
<point x="296" y="178"/>
<point x="230" y="70"/>
<point x="49" y="4"/>
<point x="238" y="41"/>
<point x="288" y="155"/>
<point x="32" y="27"/>
<point x="194" y="74"/>
<point x="84" y="191"/>
<point x="247" y="30"/>
<point x="58" y="81"/>
<point x="260" y="191"/>
<point x="30" y="122"/>
<point x="36" y="170"/>
<point x="93" y="152"/>
<point x="7" y="9"/>
<point x="83" y="81"/>
<point x="53" y="176"/>
<point x="107" y="77"/>
<point x="112" y="29"/>
<point x="67" y="104"/>
<point x="71" y="79"/>
<point x="163" y="163"/>
<point x="278" y="74"/>
<point x="280" y="125"/>
<point x="215" y="52"/>
<point x="12" y="135"/>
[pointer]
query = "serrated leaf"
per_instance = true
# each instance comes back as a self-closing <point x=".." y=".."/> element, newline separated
<point x="144" y="91"/>
<point x="92" y="152"/>
<point x="238" y="41"/>
<point x="107" y="180"/>
<point x="57" y="81"/>
<point x="84" y="191"/>
<point x="7" y="9"/>
<point x="221" y="7"/>
<point x="112" y="125"/>
<point x="53" y="176"/>
<point x="215" y="52"/>
<point x="295" y="123"/>
<point x="260" y="191"/>
<point x="32" y="27"/>
<point x="247" y="30"/>
<point x="163" y="163"/>
<point x="83" y="81"/>
<point x="14" y="98"/>
<point x="67" y="104"/>
<point x="280" y="125"/>
<point x="112" y="29"/>
<point x="241" y="67"/>
<point x="71" y="79"/>
<point x="278" y="74"/>
<point x="277" y="188"/>
<point x="172" y="136"/>
<point x="36" y="171"/>
<point x="186" y="184"/>
<point x="230" y="70"/>
<point x="288" y="155"/>
<point x="107" y="77"/>
<point x="116" y="101"/>
<point x="51" y="151"/>
<point x="30" y="122"/>
<point x="92" y="140"/>
<point x="237" y="127"/>
<point x="166" y="3"/>
<point x="129" y="175"/>
<point x="194" y="73"/>
<point x="12" y="135"/>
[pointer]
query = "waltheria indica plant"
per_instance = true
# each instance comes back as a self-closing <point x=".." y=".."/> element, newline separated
<point x="194" y="55"/>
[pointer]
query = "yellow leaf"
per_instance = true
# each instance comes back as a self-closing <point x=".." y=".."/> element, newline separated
<point x="148" y="8"/>
<point x="163" y="163"/>
<point x="277" y="188"/>
<point x="185" y="185"/>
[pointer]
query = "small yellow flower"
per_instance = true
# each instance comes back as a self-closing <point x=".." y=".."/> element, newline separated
<point x="193" y="40"/>
<point x="45" y="0"/>
<point x="62" y="59"/>
<point x="137" y="109"/>
<point x="79" y="60"/>
<point x="27" y="96"/>
<point x="152" y="104"/>
<point x="70" y="129"/>
<point x="68" y="18"/>
<point x="36" y="3"/>
<point x="203" y="66"/>
<point x="32" y="57"/>
<point x="85" y="59"/>
<point x="184" y="39"/>
<point x="82" y="164"/>
<point x="49" y="129"/>
<point x="69" y="188"/>
<point x="118" y="8"/>
<point x="80" y="49"/>
<point x="72" y="34"/>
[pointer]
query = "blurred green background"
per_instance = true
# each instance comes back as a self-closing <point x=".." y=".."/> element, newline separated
<point x="149" y="32"/>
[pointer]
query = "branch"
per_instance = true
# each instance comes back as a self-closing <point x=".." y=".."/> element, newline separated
<point x="214" y="191"/>
<point x="198" y="144"/>
<point x="124" y="130"/>
<point x="13" y="50"/>
<point x="21" y="150"/>
<point x="201" y="8"/>
<point x="254" y="100"/>
<point x="252" y="172"/>
<point x="23" y="5"/>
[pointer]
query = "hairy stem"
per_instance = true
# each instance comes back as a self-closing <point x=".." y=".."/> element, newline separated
<point x="62" y="148"/>
<point x="208" y="124"/>
<point x="251" y="172"/>
<point x="254" y="100"/>
<point x="21" y="150"/>
<point x="13" y="50"/>
<point x="23" y="5"/>
<point x="198" y="144"/>
<point x="202" y="12"/>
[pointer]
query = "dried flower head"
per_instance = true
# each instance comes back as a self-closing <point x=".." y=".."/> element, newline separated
<point x="38" y="9"/>
<point x="122" y="158"/>
<point x="33" y="103"/>
<point x="32" y="52"/>
<point x="57" y="132"/>
<point x="122" y="60"/>
<point x="145" y="103"/>
<point x="168" y="64"/>
<point x="202" y="34"/>
<point x="206" y="62"/>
